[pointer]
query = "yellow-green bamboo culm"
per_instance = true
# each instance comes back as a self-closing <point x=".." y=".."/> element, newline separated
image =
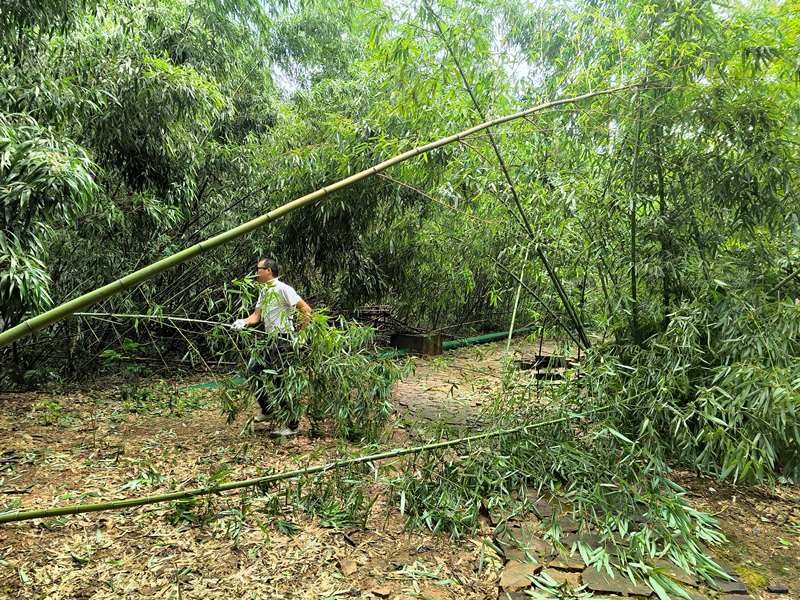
<point x="19" y="515"/>
<point x="64" y="310"/>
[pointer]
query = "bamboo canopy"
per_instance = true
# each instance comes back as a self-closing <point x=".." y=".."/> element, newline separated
<point x="82" y="302"/>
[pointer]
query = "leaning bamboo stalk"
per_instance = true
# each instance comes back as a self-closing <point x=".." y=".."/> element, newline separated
<point x="337" y="464"/>
<point x="64" y="310"/>
<point x="551" y="272"/>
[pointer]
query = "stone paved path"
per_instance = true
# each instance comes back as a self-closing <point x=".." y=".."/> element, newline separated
<point x="454" y="388"/>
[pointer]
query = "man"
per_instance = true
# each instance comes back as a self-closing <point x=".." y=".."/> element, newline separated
<point x="275" y="307"/>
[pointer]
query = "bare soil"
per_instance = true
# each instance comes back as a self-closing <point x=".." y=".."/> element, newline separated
<point x="122" y="438"/>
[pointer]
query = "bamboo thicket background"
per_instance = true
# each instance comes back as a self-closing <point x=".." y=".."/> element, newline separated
<point x="661" y="222"/>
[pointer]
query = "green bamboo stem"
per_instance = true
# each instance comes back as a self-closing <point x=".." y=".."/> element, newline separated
<point x="64" y="310"/>
<point x="784" y="281"/>
<point x="633" y="207"/>
<point x="19" y="515"/>
<point x="516" y="300"/>
<point x="146" y="317"/>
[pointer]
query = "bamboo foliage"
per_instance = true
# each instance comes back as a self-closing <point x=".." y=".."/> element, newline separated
<point x="514" y="194"/>
<point x="125" y="283"/>
<point x="45" y="180"/>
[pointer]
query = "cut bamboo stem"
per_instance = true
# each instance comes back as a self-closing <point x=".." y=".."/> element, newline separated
<point x="64" y="310"/>
<point x="97" y="315"/>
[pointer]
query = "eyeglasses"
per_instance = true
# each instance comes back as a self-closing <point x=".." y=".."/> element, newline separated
<point x="259" y="267"/>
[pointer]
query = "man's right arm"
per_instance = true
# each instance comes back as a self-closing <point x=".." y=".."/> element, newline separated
<point x="253" y="319"/>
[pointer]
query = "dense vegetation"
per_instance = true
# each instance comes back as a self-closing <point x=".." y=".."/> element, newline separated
<point x="662" y="219"/>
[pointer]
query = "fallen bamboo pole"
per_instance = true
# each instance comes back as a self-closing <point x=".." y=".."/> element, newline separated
<point x="19" y="515"/>
<point x="64" y="310"/>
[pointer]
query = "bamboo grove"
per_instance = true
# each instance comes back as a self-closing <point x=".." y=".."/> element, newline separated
<point x="639" y="160"/>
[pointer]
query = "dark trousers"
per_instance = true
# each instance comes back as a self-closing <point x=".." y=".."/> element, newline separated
<point x="273" y="359"/>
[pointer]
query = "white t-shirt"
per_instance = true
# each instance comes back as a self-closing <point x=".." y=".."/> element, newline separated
<point x="277" y="301"/>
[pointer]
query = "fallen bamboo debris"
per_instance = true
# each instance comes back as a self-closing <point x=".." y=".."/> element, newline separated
<point x="19" y="515"/>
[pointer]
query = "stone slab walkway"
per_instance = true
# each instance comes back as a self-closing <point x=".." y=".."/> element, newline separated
<point x="453" y="388"/>
<point x="528" y="555"/>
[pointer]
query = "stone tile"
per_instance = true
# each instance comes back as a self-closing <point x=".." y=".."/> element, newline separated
<point x="563" y="561"/>
<point x="778" y="589"/>
<point x="693" y="595"/>
<point x="620" y="541"/>
<point x="568" y="524"/>
<point x="729" y="587"/>
<point x="602" y="582"/>
<point x="543" y="509"/>
<point x="521" y="555"/>
<point x="592" y="539"/>
<point x="726" y="567"/>
<point x="531" y="525"/>
<point x="497" y="516"/>
<point x="675" y="572"/>
<point x="532" y="494"/>
<point x="516" y="576"/>
<point x="523" y="538"/>
<point x="572" y="580"/>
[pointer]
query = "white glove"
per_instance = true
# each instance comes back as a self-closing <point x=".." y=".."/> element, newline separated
<point x="238" y="324"/>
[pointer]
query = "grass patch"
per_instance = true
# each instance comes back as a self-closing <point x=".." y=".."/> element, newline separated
<point x="751" y="578"/>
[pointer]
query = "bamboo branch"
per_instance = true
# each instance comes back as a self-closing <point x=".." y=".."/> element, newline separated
<point x="784" y="282"/>
<point x="125" y="283"/>
<point x="18" y="515"/>
<point x="153" y="318"/>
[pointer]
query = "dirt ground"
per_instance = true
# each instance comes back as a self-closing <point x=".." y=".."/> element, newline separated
<point x="122" y="439"/>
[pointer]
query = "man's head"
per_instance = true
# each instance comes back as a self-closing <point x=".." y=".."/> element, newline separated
<point x="267" y="270"/>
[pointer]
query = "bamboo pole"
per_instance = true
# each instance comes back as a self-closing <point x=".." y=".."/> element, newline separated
<point x="102" y="315"/>
<point x="516" y="300"/>
<point x="18" y="515"/>
<point x="64" y="310"/>
<point x="633" y="207"/>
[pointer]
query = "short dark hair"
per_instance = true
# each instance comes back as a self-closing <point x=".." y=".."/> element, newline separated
<point x="271" y="264"/>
